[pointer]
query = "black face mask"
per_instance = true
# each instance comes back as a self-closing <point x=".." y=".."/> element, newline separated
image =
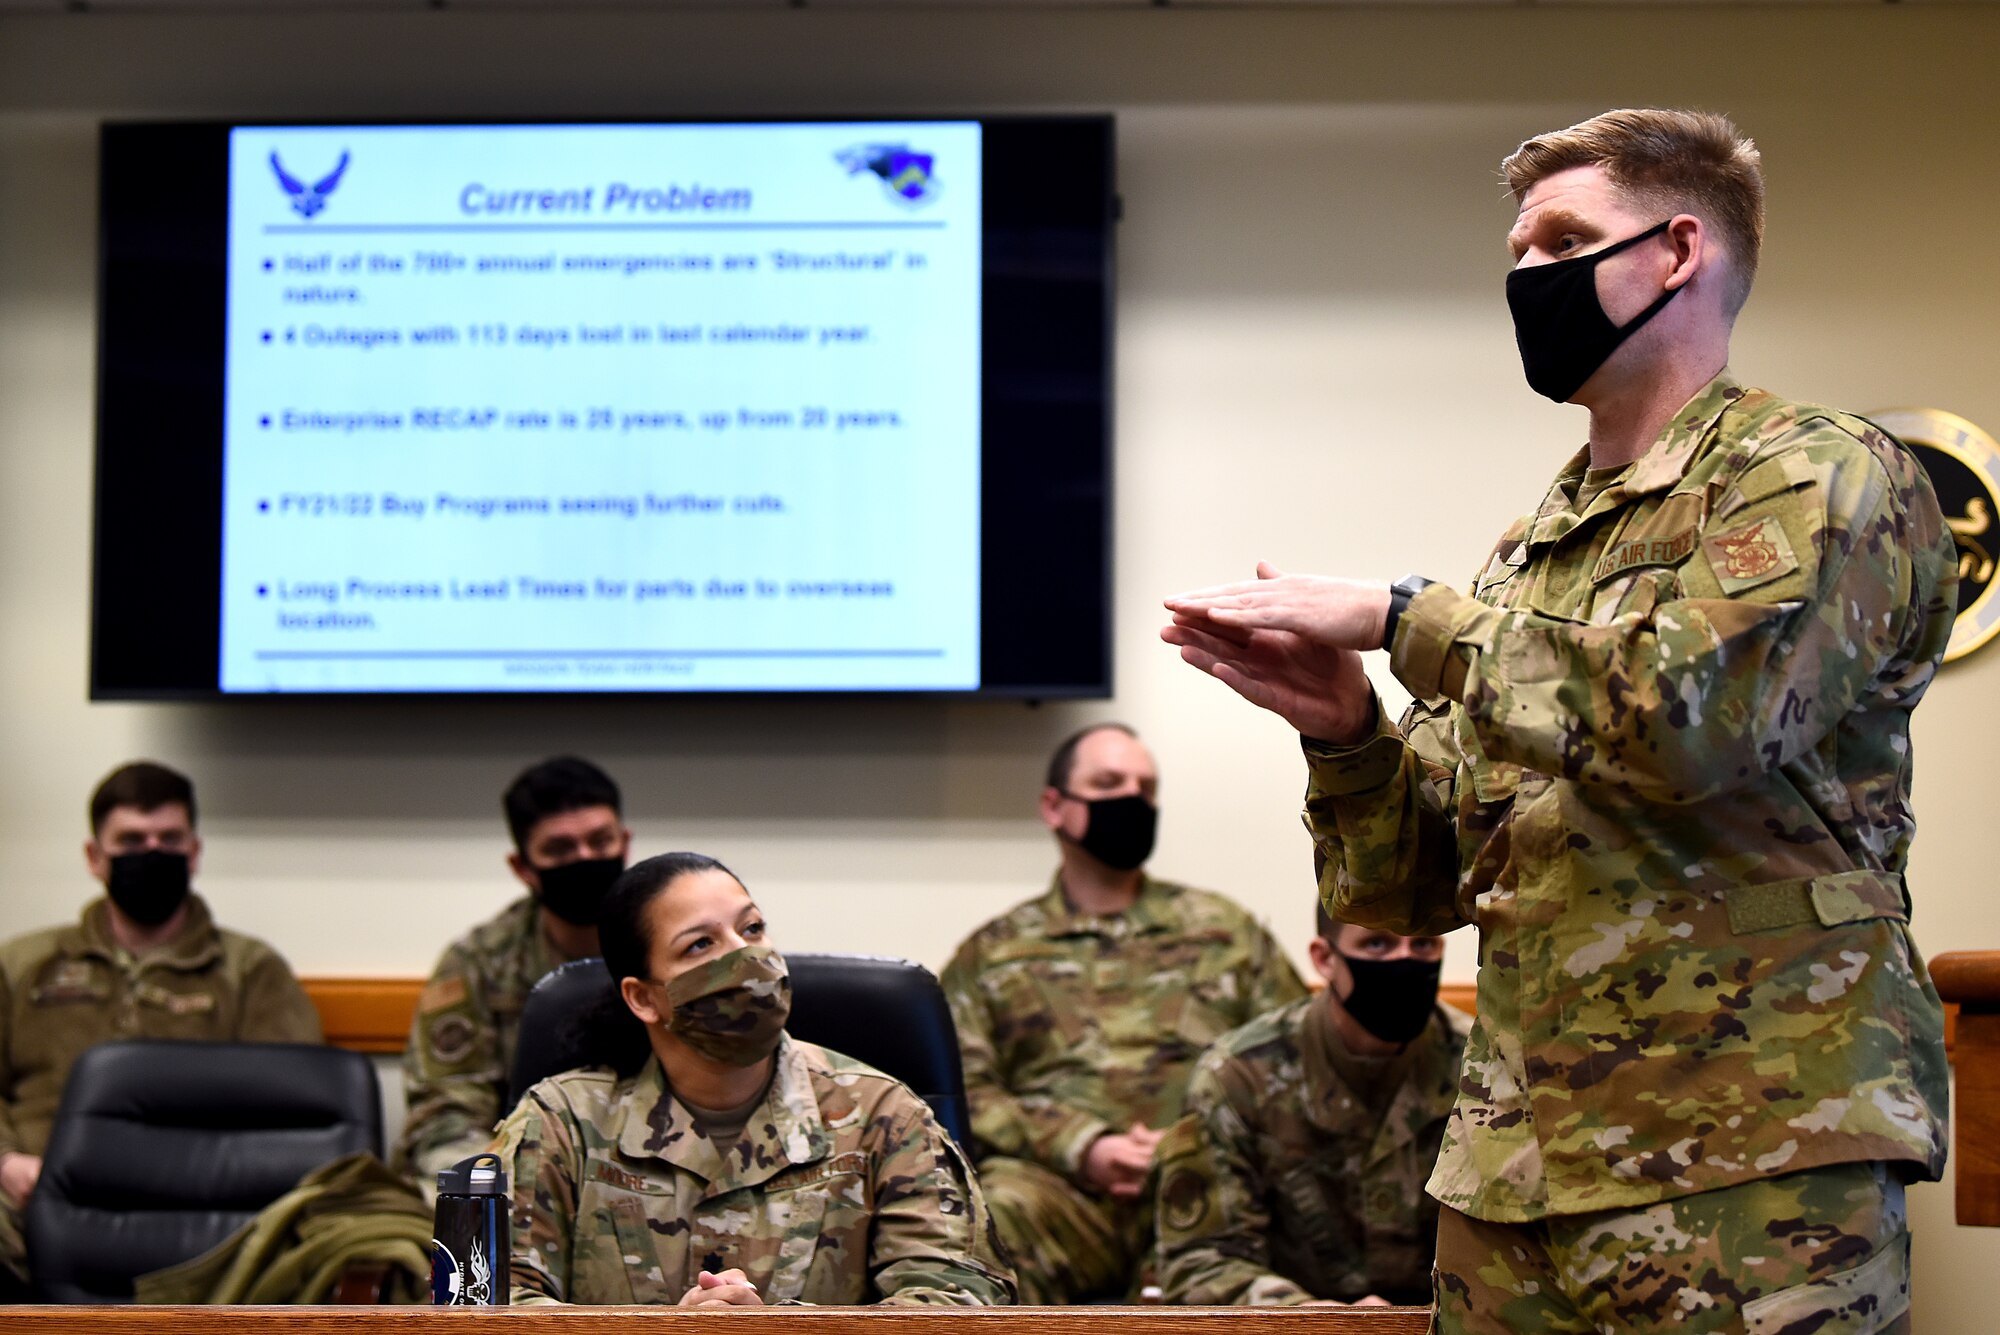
<point x="575" y="891"/>
<point x="1119" y="831"/>
<point x="148" y="887"/>
<point x="1560" y="325"/>
<point x="1392" y="999"/>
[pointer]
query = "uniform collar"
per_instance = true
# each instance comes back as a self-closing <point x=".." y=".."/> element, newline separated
<point x="540" y="955"/>
<point x="784" y="1130"/>
<point x="1151" y="911"/>
<point x="1662" y="467"/>
<point x="1680" y="443"/>
<point x="195" y="946"/>
<point x="1426" y="1090"/>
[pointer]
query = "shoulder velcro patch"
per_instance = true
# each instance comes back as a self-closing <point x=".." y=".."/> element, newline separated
<point x="1787" y="470"/>
<point x="1750" y="554"/>
<point x="442" y="994"/>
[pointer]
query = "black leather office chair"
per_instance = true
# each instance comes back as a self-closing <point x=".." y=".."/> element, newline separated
<point x="163" y="1149"/>
<point x="887" y="1012"/>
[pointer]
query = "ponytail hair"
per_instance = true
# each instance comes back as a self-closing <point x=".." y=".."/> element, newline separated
<point x="607" y="1033"/>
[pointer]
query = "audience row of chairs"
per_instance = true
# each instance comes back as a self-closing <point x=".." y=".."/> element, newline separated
<point x="162" y="1150"/>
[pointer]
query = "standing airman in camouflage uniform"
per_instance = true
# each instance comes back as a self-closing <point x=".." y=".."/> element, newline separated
<point x="570" y="844"/>
<point x="146" y="961"/>
<point x="1297" y="1174"/>
<point x="717" y="1162"/>
<point x="1080" y="1015"/>
<point x="1661" y="755"/>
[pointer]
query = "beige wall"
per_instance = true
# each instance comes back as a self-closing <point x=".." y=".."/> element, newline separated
<point x="1310" y="324"/>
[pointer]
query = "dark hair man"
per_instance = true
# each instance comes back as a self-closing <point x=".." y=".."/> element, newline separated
<point x="145" y="961"/>
<point x="1297" y="1174"/>
<point x="1080" y="1015"/>
<point x="1661" y="756"/>
<point x="570" y="845"/>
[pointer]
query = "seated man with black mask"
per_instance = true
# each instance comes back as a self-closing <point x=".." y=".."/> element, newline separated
<point x="145" y="961"/>
<point x="1081" y="1014"/>
<point x="570" y="845"/>
<point x="1297" y="1175"/>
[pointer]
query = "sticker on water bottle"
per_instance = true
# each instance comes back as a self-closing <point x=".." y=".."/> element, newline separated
<point x="452" y="1285"/>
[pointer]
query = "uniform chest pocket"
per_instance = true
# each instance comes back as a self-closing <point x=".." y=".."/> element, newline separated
<point x="1039" y="1004"/>
<point x="801" y="1236"/>
<point x="1496" y="582"/>
<point x="1493" y="781"/>
<point x="1312" y="1211"/>
<point x="630" y="1249"/>
<point x="818" y="1227"/>
<point x="1634" y="593"/>
<point x="1171" y="986"/>
<point x="633" y="1237"/>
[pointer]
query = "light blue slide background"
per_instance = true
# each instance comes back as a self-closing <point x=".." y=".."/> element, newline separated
<point x="872" y="503"/>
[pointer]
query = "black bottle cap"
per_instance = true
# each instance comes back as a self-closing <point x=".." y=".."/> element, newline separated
<point x="481" y="1175"/>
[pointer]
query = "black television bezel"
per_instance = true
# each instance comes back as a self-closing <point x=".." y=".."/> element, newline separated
<point x="1046" y="588"/>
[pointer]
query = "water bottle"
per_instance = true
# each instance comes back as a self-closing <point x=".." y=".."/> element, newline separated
<point x="471" y="1243"/>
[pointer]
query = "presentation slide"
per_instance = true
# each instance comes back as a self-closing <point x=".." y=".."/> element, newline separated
<point x="625" y="408"/>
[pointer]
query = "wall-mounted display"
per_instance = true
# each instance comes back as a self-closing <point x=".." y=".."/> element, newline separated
<point x="614" y="407"/>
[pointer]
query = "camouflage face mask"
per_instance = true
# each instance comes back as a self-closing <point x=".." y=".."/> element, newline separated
<point x="734" y="1007"/>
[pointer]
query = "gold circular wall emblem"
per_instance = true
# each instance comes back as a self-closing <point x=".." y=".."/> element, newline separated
<point x="1964" y="465"/>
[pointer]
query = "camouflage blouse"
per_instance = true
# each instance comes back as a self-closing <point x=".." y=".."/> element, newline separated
<point x="841" y="1189"/>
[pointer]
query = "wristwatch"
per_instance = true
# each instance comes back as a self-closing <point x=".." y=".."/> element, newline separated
<point x="1400" y="593"/>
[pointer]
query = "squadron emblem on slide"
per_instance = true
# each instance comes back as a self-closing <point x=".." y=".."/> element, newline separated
<point x="905" y="175"/>
<point x="1964" y="465"/>
<point x="308" y="200"/>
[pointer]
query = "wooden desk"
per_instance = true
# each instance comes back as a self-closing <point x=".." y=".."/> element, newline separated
<point x="754" y="1321"/>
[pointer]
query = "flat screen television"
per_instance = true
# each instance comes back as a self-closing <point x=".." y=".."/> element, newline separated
<point x="435" y="409"/>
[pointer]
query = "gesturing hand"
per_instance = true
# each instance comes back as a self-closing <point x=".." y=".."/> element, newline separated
<point x="1337" y="613"/>
<point x="1289" y="644"/>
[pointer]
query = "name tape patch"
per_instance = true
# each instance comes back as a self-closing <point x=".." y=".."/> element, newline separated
<point x="1643" y="551"/>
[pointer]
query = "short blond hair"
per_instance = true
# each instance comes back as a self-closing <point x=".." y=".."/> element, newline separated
<point x="1679" y="161"/>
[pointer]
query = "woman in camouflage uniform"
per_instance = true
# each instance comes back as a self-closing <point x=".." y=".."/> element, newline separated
<point x="707" y="1159"/>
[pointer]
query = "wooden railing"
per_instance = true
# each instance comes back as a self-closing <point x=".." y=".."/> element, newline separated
<point x="1971" y="979"/>
<point x="373" y="1014"/>
<point x="365" y="1014"/>
<point x="742" y="1321"/>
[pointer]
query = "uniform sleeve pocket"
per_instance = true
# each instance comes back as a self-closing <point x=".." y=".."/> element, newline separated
<point x="1859" y="1301"/>
<point x="1831" y="901"/>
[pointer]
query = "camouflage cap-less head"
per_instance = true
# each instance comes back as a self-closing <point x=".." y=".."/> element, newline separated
<point x="734" y="1007"/>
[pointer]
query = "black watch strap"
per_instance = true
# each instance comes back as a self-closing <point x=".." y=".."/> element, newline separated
<point x="1400" y="593"/>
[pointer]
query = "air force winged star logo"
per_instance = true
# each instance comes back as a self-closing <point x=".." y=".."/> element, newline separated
<point x="308" y="199"/>
<point x="905" y="175"/>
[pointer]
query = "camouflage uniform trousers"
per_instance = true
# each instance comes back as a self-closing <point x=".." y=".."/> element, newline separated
<point x="1068" y="1244"/>
<point x="1822" y="1252"/>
